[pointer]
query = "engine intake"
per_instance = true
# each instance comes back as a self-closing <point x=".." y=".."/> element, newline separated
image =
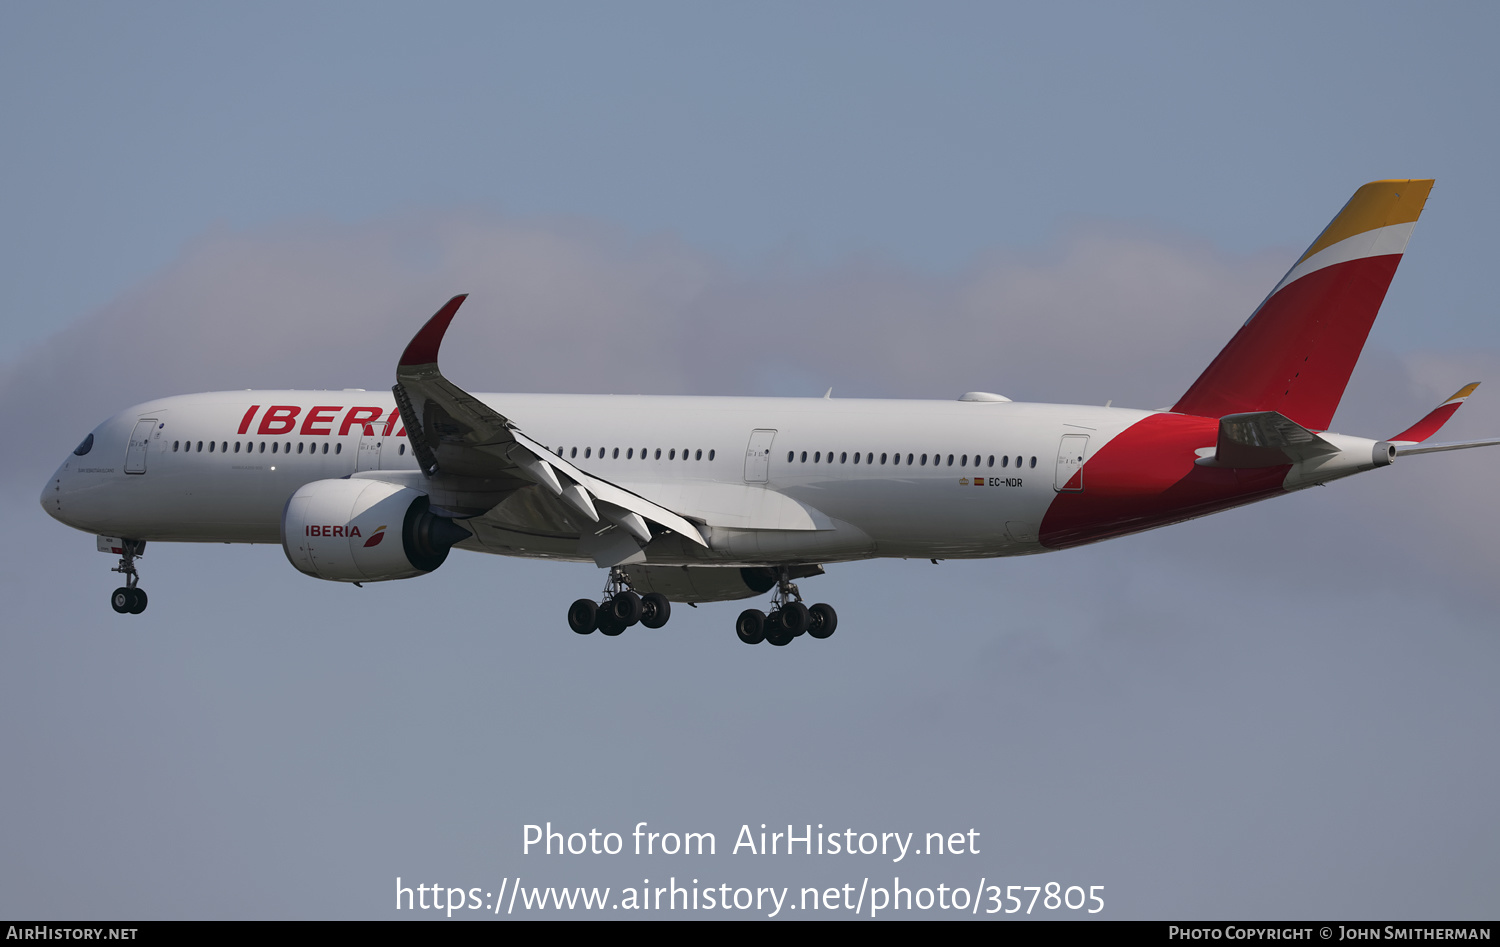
<point x="365" y="531"/>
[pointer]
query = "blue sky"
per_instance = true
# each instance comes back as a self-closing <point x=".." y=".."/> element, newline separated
<point x="1282" y="711"/>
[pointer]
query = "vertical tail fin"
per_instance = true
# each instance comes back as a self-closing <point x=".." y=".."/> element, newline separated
<point x="1297" y="350"/>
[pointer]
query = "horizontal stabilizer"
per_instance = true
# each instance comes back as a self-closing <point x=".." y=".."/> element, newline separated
<point x="1434" y="421"/>
<point x="1265" y="439"/>
<point x="1403" y="450"/>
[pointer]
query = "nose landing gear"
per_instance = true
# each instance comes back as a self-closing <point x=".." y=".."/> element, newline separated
<point x="128" y="599"/>
<point x="621" y="607"/>
<point x="789" y="618"/>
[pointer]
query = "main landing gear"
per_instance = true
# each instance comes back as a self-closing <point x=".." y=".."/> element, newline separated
<point x="789" y="618"/>
<point x="619" y="609"/>
<point x="128" y="599"/>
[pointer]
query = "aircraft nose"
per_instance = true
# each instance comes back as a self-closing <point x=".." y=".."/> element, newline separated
<point x="52" y="493"/>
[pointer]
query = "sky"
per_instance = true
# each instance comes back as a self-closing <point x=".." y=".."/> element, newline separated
<point x="1285" y="711"/>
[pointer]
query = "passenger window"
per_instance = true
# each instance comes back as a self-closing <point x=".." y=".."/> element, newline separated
<point x="629" y="453"/>
<point x="210" y="447"/>
<point x="401" y="451"/>
<point x="174" y="447"/>
<point x="882" y="460"/>
<point x="950" y="460"/>
<point x="574" y="452"/>
<point x="325" y="447"/>
<point x="896" y="459"/>
<point x="337" y="448"/>
<point x="992" y="460"/>
<point x="587" y="451"/>
<point x="844" y="457"/>
<point x="1033" y="461"/>
<point x="614" y="454"/>
<point x="710" y="455"/>
<point x="698" y="454"/>
<point x="963" y="461"/>
<point x="924" y="460"/>
<point x="299" y="447"/>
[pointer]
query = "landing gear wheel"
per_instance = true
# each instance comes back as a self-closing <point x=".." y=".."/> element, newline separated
<point x="822" y="620"/>
<point x="795" y="618"/>
<point x="138" y="601"/>
<point x="773" y="624"/>
<point x="655" y="609"/>
<point x="582" y="616"/>
<point x="121" y="599"/>
<point x="608" y="625"/>
<point x="751" y="626"/>
<point x="781" y="638"/>
<point x="625" y="608"/>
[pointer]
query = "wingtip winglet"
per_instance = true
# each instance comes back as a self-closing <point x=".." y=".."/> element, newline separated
<point x="423" y="348"/>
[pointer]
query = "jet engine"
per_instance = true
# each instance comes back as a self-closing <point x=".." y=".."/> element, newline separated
<point x="365" y="531"/>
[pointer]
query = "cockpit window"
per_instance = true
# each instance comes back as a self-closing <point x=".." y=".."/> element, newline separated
<point x="85" y="447"/>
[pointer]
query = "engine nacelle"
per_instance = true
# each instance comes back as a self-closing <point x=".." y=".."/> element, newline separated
<point x="364" y="531"/>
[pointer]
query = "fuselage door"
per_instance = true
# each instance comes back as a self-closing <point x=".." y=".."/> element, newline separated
<point x="369" y="452"/>
<point x="1070" y="454"/>
<point x="140" y="439"/>
<point x="758" y="456"/>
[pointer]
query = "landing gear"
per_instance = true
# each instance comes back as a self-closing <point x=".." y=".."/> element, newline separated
<point x="822" y="620"/>
<point x="620" y="608"/>
<point x="789" y="618"/>
<point x="128" y="599"/>
<point x="655" y="610"/>
<point x="583" y="616"/>
<point x="751" y="626"/>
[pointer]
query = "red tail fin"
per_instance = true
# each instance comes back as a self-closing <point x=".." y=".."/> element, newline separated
<point x="1296" y="352"/>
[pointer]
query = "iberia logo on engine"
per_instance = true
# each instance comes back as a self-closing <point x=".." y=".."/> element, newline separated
<point x="349" y="531"/>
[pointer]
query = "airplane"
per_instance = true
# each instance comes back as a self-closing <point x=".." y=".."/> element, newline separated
<point x="708" y="499"/>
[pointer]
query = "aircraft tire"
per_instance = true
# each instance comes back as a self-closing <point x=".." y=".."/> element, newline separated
<point x="781" y="638"/>
<point x="625" y="608"/>
<point x="608" y="625"/>
<point x="582" y="616"/>
<point x="137" y="601"/>
<point x="751" y="626"/>
<point x="795" y="618"/>
<point x="121" y="599"/>
<point x="656" y="611"/>
<point x="823" y="620"/>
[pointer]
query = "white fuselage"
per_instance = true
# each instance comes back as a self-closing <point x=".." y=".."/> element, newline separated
<point x="768" y="478"/>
